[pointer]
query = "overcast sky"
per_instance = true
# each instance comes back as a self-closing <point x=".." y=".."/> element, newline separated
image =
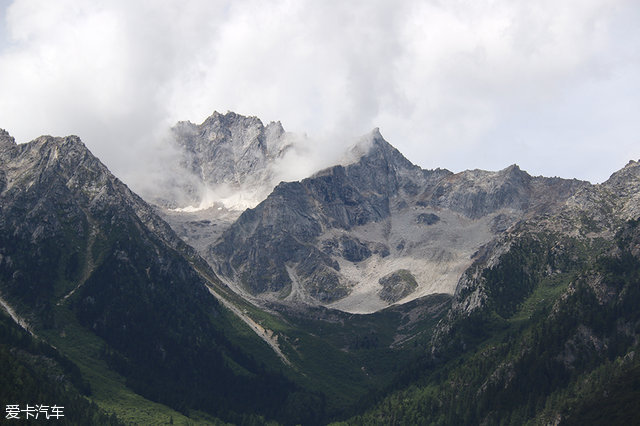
<point x="553" y="86"/>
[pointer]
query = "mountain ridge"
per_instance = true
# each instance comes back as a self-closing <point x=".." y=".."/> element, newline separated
<point x="489" y="296"/>
<point x="82" y="258"/>
<point x="320" y="234"/>
<point x="228" y="155"/>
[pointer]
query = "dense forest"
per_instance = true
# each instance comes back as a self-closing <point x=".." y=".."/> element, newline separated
<point x="34" y="373"/>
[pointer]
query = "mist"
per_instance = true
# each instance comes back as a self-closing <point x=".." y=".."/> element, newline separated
<point x="459" y="85"/>
<point x="181" y="189"/>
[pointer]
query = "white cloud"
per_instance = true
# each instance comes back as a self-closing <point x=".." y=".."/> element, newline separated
<point x="550" y="85"/>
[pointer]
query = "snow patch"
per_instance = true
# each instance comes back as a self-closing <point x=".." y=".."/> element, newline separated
<point x="238" y="199"/>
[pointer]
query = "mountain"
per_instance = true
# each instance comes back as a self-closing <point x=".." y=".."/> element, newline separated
<point x="543" y="328"/>
<point x="87" y="266"/>
<point x="377" y="230"/>
<point x="594" y="213"/>
<point x="143" y="327"/>
<point x="230" y="157"/>
<point x="230" y="148"/>
<point x="225" y="164"/>
<point x="372" y="292"/>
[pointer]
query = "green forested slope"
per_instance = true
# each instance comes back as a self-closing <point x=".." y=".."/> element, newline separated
<point x="34" y="373"/>
<point x="564" y="349"/>
<point x="87" y="264"/>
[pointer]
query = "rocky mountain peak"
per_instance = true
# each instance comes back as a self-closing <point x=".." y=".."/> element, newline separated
<point x="62" y="151"/>
<point x="6" y="139"/>
<point x="239" y="133"/>
<point x="228" y="154"/>
<point x="476" y="193"/>
<point x="514" y="175"/>
<point x="49" y="159"/>
<point x="66" y="143"/>
<point x="276" y="143"/>
<point x="327" y="238"/>
<point x="380" y="147"/>
<point x="373" y="148"/>
<point x="625" y="183"/>
<point x="66" y="168"/>
<point x="630" y="172"/>
<point x="513" y="170"/>
<point x="230" y="119"/>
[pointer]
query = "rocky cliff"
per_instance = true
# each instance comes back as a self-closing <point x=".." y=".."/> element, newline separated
<point x="230" y="159"/>
<point x="230" y="148"/>
<point x="551" y="245"/>
<point x="334" y="237"/>
<point x="82" y="256"/>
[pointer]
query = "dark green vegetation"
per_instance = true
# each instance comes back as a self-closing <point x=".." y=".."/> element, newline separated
<point x="32" y="372"/>
<point x="96" y="274"/>
<point x="397" y="285"/>
<point x="561" y="349"/>
<point x="89" y="265"/>
<point x="544" y="326"/>
<point x="351" y="357"/>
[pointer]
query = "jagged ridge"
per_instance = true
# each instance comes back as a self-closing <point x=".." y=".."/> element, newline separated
<point x="77" y="248"/>
<point x="229" y="153"/>
<point x="326" y="234"/>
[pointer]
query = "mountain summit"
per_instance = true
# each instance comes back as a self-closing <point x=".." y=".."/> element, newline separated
<point x="230" y="155"/>
<point x="6" y="139"/>
<point x="230" y="148"/>
<point x="492" y="297"/>
<point x="85" y="263"/>
<point x="376" y="230"/>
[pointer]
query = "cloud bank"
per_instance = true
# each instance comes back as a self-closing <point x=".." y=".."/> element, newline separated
<point x="552" y="86"/>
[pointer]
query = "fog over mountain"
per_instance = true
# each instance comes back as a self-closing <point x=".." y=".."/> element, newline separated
<point x="551" y="86"/>
<point x="234" y="161"/>
<point x="374" y="276"/>
<point x="201" y="221"/>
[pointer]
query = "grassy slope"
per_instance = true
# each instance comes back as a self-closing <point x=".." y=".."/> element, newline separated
<point x="33" y="372"/>
<point x="333" y="356"/>
<point x="319" y="350"/>
<point x="344" y="356"/>
<point x="109" y="390"/>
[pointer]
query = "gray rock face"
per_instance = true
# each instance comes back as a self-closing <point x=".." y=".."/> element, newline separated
<point x="427" y="218"/>
<point x="477" y="193"/>
<point x="232" y="150"/>
<point x="625" y="183"/>
<point x="62" y="213"/>
<point x="229" y="148"/>
<point x="226" y="164"/>
<point x="284" y="228"/>
<point x="6" y="140"/>
<point x="337" y="233"/>
<point x="589" y="217"/>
